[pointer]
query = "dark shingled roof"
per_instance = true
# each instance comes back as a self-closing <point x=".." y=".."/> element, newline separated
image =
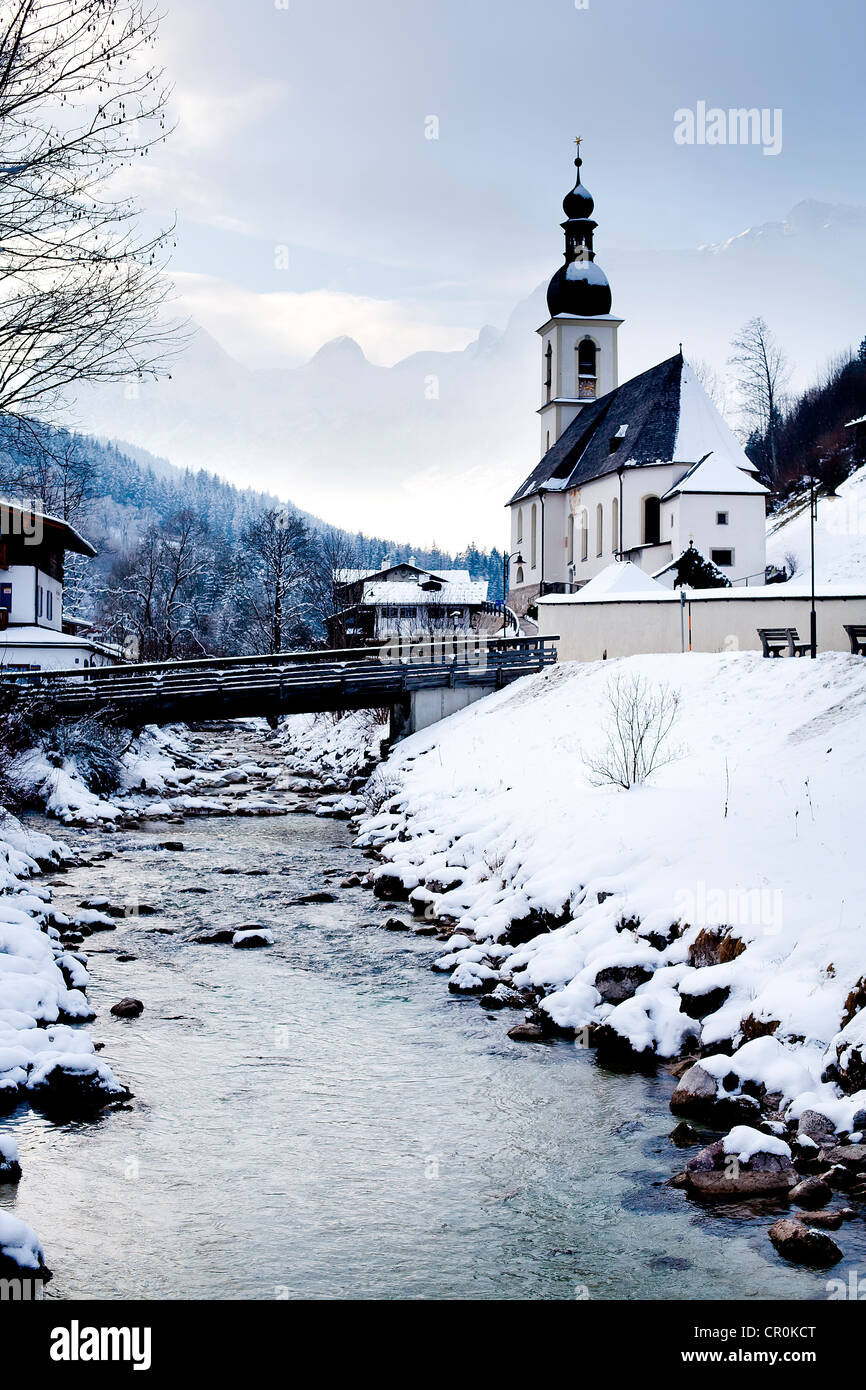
<point x="649" y="404"/>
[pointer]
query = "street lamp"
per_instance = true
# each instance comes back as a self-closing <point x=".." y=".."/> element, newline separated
<point x="506" y="561"/>
<point x="813" y="619"/>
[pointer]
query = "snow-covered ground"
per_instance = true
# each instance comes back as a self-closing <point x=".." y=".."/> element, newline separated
<point x="718" y="908"/>
<point x="840" y="536"/>
<point x="42" y="1058"/>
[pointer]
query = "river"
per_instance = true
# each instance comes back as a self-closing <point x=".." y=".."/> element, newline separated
<point x="322" y="1119"/>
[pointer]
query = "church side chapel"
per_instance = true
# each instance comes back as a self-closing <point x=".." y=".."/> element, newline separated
<point x="647" y="471"/>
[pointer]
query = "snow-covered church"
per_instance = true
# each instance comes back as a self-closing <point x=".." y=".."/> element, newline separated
<point x="634" y="472"/>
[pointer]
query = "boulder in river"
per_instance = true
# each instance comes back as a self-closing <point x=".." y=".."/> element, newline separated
<point x="69" y="1086"/>
<point x="223" y="936"/>
<point x="811" y="1193"/>
<point x="527" y="1032"/>
<point x="251" y="937"/>
<point x="744" y="1163"/>
<point x="802" y="1245"/>
<point x="321" y="895"/>
<point x="391" y="888"/>
<point x="127" y="1007"/>
<point x="10" y="1168"/>
<point x="696" y="1096"/>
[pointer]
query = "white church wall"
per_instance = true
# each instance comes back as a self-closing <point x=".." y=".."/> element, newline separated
<point x="721" y="620"/>
<point x="745" y="533"/>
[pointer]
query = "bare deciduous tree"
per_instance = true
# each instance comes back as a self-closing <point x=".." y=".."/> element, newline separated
<point x="81" y="287"/>
<point x="276" y="563"/>
<point x="763" y="373"/>
<point x="637" y="732"/>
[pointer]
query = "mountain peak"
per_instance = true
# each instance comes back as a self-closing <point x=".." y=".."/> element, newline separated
<point x="340" y="349"/>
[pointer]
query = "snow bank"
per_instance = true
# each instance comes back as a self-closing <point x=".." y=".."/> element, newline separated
<point x="716" y="908"/>
<point x="840" y="536"/>
<point x="323" y="745"/>
<point x="42" y="1059"/>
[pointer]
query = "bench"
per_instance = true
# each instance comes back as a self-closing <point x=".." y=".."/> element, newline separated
<point x="857" y="637"/>
<point x="776" y="640"/>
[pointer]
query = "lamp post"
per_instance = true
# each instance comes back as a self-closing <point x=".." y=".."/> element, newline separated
<point x="506" y="561"/>
<point x="813" y="619"/>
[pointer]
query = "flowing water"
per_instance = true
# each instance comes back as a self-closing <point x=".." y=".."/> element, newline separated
<point x="322" y="1119"/>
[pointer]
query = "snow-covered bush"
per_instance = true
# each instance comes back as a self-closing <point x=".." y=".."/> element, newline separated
<point x="95" y="748"/>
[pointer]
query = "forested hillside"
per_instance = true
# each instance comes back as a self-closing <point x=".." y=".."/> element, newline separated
<point x="188" y="562"/>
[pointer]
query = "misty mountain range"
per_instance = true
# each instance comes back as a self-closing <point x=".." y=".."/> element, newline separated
<point x="431" y="447"/>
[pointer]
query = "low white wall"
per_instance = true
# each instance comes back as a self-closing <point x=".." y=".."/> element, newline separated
<point x="726" y="620"/>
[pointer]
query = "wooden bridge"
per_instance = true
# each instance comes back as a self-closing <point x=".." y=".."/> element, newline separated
<point x="422" y="681"/>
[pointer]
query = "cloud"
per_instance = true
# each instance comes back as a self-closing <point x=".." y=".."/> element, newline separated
<point x="284" y="328"/>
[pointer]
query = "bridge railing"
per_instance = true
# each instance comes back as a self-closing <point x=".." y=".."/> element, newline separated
<point x="473" y="649"/>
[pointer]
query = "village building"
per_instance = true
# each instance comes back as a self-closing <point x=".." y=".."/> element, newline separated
<point x="639" y="471"/>
<point x="35" y="633"/>
<point x="403" y="600"/>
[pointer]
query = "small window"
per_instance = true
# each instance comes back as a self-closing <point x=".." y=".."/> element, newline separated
<point x="519" y="524"/>
<point x="548" y="372"/>
<point x="721" y="518"/>
<point x="49" y="605"/>
<point x="722" y="557"/>
<point x="519" y="574"/>
<point x="39" y="601"/>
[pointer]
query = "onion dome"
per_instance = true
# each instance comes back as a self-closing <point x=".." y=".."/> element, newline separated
<point x="579" y="287"/>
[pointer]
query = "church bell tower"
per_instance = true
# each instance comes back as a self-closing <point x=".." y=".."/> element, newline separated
<point x="579" y="340"/>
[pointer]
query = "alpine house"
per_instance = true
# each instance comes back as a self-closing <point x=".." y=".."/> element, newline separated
<point x="634" y="472"/>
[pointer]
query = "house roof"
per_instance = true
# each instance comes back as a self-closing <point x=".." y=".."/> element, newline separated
<point x="661" y="416"/>
<point x="620" y="577"/>
<point x="67" y="535"/>
<point x="409" y="593"/>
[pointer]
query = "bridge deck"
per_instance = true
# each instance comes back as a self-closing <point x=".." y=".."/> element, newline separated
<point x="286" y="683"/>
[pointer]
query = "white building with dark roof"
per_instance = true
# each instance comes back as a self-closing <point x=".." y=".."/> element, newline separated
<point x="638" y="471"/>
<point x="403" y="600"/>
<point x="35" y="633"/>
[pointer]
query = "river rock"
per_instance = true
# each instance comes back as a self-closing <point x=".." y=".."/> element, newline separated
<point x="695" y="1096"/>
<point x="321" y="895"/>
<point x="811" y="1193"/>
<point x="223" y="936"/>
<point x="252" y="937"/>
<point x="851" y="1155"/>
<point x="815" y="1126"/>
<point x="72" y="1088"/>
<point x="684" y="1135"/>
<point x="353" y="881"/>
<point x="390" y="888"/>
<point x="796" y="1242"/>
<point x="10" y="1168"/>
<point x="396" y="924"/>
<point x="617" y="983"/>
<point x="526" y="1032"/>
<point x="127" y="1008"/>
<point x="712" y="1173"/>
<point x="827" y="1220"/>
<point x="175" y="845"/>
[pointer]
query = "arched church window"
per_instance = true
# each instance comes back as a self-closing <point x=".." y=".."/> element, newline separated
<point x="533" y="536"/>
<point x="587" y="372"/>
<point x="599" y="529"/>
<point x="519" y="524"/>
<point x="614" y="525"/>
<point x="651" y="521"/>
<point x="519" y="574"/>
<point x="548" y="371"/>
<point x="584" y="534"/>
<point x="570" y="537"/>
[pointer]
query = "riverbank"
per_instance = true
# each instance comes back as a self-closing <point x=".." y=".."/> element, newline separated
<point x="711" y="915"/>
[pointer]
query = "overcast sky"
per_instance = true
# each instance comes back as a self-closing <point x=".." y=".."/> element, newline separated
<point x="311" y="202"/>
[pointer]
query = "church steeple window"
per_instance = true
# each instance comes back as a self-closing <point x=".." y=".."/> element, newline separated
<point x="587" y="372"/>
<point x="548" y="372"/>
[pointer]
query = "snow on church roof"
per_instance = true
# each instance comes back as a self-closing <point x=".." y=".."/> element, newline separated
<point x="716" y="474"/>
<point x="669" y="419"/>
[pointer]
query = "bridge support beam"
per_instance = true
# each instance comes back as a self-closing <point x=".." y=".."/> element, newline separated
<point x="422" y="708"/>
